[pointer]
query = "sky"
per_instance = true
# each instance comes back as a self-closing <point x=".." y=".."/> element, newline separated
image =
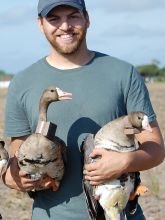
<point x="132" y="30"/>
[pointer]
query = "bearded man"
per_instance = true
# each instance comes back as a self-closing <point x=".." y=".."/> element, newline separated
<point x="103" y="89"/>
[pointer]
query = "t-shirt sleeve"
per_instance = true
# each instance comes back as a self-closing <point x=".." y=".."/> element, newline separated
<point x="138" y="97"/>
<point x="16" y="123"/>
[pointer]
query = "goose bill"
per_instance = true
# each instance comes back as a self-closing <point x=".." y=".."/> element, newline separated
<point x="63" y="95"/>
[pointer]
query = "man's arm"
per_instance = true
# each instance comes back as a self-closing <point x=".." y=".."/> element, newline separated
<point x="13" y="177"/>
<point x="112" y="164"/>
<point x="151" y="151"/>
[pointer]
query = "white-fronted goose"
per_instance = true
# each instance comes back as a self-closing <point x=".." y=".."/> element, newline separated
<point x="42" y="154"/>
<point x="113" y="196"/>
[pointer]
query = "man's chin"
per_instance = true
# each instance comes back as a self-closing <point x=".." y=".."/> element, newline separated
<point x="67" y="50"/>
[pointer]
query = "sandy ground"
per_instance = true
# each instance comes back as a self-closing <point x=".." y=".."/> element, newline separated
<point x="17" y="206"/>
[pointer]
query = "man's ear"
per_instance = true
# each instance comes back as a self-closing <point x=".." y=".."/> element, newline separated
<point x="40" y="23"/>
<point x="87" y="19"/>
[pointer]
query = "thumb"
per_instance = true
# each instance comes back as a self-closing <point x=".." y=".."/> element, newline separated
<point x="97" y="152"/>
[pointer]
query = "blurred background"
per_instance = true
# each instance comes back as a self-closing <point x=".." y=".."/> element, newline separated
<point x="130" y="30"/>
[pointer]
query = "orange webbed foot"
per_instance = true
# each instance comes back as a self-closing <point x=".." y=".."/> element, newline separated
<point x="140" y="191"/>
<point x="49" y="182"/>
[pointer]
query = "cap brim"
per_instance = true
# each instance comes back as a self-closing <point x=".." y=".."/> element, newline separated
<point x="45" y="11"/>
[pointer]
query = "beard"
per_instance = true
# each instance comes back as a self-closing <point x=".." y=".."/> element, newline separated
<point x="67" y="48"/>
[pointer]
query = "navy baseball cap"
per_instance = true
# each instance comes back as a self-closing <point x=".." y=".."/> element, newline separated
<point x="45" y="6"/>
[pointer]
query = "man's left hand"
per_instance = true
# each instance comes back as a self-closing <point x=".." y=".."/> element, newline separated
<point x="110" y="166"/>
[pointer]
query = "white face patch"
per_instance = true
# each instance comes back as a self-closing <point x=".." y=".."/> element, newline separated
<point x="145" y="124"/>
<point x="60" y="92"/>
<point x="3" y="162"/>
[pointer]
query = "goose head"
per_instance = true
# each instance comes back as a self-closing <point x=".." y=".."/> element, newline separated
<point x="51" y="94"/>
<point x="139" y="120"/>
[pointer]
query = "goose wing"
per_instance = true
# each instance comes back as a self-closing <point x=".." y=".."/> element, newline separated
<point x="95" y="211"/>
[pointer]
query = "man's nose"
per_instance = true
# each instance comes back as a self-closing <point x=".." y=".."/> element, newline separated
<point x="65" y="25"/>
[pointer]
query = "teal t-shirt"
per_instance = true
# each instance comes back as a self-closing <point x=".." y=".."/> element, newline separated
<point x="103" y="90"/>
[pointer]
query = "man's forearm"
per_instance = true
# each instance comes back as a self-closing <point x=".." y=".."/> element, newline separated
<point x="148" y="156"/>
<point x="150" y="153"/>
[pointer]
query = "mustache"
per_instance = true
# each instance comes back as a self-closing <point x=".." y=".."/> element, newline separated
<point x="69" y="31"/>
<point x="66" y="33"/>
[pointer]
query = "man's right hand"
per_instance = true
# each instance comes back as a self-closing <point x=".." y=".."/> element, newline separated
<point x="14" y="178"/>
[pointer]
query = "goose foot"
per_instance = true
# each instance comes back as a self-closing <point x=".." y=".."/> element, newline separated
<point x="49" y="182"/>
<point x="140" y="191"/>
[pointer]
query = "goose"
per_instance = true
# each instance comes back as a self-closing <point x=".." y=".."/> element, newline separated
<point x="109" y="199"/>
<point x="4" y="157"/>
<point x="42" y="155"/>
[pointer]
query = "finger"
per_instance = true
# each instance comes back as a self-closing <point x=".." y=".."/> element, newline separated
<point x="27" y="177"/>
<point x="30" y="189"/>
<point x="33" y="182"/>
<point x="24" y="187"/>
<point x="92" y="166"/>
<point x="27" y="189"/>
<point x="96" y="183"/>
<point x="94" y="178"/>
<point x="89" y="168"/>
<point x="25" y="182"/>
<point x="22" y="173"/>
<point x="92" y="173"/>
<point x="97" y="152"/>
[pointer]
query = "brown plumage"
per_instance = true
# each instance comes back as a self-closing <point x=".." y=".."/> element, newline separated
<point x="117" y="135"/>
<point x="42" y="154"/>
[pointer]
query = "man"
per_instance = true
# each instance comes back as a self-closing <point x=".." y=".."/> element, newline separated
<point x="103" y="88"/>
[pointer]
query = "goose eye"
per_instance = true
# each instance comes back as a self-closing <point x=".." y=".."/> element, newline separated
<point x="52" y="90"/>
<point x="139" y="117"/>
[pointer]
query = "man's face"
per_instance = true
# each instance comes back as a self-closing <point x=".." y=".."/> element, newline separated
<point x="65" y="28"/>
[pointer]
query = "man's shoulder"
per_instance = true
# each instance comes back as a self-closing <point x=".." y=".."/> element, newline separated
<point x="112" y="63"/>
<point x="31" y="69"/>
<point x="27" y="76"/>
<point x="108" y="59"/>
